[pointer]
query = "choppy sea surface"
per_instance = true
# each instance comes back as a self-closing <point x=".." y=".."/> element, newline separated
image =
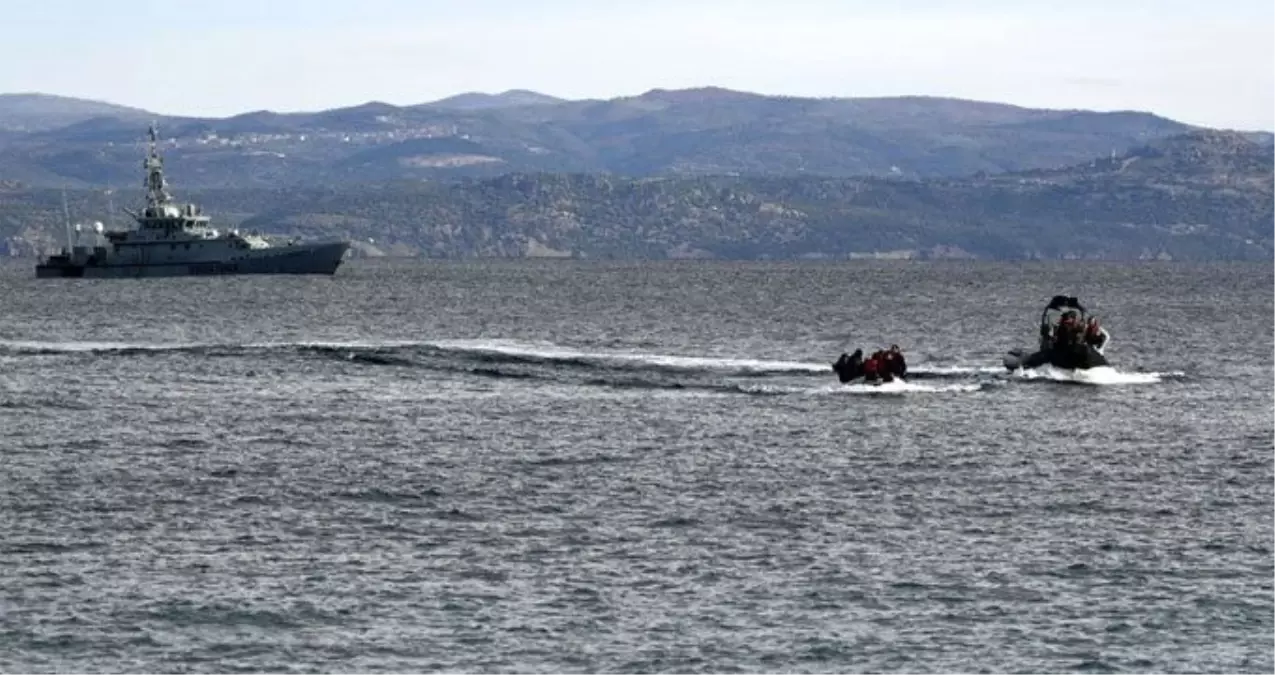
<point x="527" y="466"/>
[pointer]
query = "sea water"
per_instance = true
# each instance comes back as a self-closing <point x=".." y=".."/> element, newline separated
<point x="568" y="466"/>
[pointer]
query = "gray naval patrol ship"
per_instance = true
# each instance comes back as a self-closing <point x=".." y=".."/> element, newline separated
<point x="174" y="239"/>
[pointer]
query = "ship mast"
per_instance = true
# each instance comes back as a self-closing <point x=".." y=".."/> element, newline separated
<point x="66" y="221"/>
<point x="110" y="206"/>
<point x="156" y="187"/>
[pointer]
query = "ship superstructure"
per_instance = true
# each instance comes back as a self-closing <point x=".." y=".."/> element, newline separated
<point x="176" y="239"/>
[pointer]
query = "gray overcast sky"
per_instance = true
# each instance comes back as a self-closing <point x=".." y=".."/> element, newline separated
<point x="1200" y="62"/>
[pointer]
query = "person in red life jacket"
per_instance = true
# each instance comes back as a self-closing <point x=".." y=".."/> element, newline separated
<point x="887" y="365"/>
<point x="884" y="369"/>
<point x="1095" y="336"/>
<point x="872" y="368"/>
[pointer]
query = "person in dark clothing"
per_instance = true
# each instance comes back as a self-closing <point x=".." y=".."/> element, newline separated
<point x="894" y="357"/>
<point x="849" y="367"/>
<point x="1068" y="331"/>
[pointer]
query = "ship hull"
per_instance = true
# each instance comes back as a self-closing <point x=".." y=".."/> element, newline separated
<point x="317" y="258"/>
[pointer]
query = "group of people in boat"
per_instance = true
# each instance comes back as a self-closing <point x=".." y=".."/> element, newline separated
<point x="882" y="366"/>
<point x="1070" y="331"/>
<point x="1075" y="341"/>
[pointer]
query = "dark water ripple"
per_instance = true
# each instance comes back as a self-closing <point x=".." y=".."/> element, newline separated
<point x="456" y="467"/>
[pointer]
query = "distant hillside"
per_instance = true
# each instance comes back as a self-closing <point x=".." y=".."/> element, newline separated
<point x="508" y="99"/>
<point x="41" y="112"/>
<point x="1260" y="137"/>
<point x="705" y="131"/>
<point x="1201" y="195"/>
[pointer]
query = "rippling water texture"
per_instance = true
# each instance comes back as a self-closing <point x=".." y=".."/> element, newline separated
<point x="565" y="467"/>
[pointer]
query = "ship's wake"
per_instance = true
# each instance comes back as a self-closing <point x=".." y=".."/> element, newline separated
<point x="516" y="360"/>
<point x="1104" y="376"/>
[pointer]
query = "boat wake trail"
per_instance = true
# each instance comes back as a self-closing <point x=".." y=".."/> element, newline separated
<point x="514" y="360"/>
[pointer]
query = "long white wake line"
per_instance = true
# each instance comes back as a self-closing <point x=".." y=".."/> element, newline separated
<point x="1097" y="376"/>
<point x="548" y="351"/>
<point x="77" y="347"/>
<point x="503" y="347"/>
<point x="512" y="348"/>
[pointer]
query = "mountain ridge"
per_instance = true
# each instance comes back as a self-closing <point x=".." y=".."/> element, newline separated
<point x="696" y="131"/>
<point x="477" y="100"/>
<point x="1201" y="195"/>
<point x="37" y="111"/>
<point x="702" y="172"/>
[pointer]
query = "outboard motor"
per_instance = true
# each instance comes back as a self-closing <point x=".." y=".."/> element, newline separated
<point x="1021" y="358"/>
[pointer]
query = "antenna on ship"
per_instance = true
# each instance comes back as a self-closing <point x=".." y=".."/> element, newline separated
<point x="66" y="221"/>
<point x="110" y="205"/>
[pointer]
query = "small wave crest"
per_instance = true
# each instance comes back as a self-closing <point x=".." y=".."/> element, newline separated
<point x="931" y="372"/>
<point x="900" y="386"/>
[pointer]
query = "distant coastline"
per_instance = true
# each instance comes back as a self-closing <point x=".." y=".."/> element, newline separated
<point x="703" y="173"/>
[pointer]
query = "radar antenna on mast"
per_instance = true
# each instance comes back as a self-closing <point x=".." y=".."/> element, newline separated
<point x="156" y="187"/>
